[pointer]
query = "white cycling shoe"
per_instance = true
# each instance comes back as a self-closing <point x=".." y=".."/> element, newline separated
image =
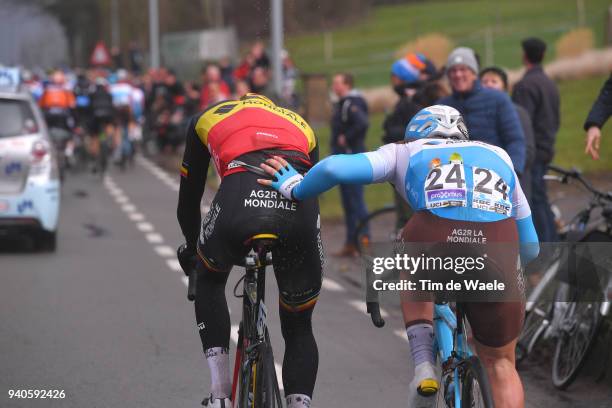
<point x="211" y="402"/>
<point x="424" y="387"/>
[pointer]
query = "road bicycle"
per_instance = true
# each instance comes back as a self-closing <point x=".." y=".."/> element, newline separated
<point x="463" y="379"/>
<point x="254" y="381"/>
<point x="561" y="308"/>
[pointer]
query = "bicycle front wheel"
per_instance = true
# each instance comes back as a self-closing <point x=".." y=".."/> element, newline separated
<point x="577" y="332"/>
<point x="475" y="390"/>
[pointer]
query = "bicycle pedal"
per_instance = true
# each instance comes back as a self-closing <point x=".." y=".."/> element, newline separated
<point x="428" y="387"/>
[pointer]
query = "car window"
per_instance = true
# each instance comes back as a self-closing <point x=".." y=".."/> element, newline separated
<point x="16" y="117"/>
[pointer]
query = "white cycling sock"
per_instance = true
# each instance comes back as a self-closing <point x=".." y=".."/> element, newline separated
<point x="420" y="393"/>
<point x="420" y="337"/>
<point x="298" y="401"/>
<point x="218" y="362"/>
<point x="424" y="371"/>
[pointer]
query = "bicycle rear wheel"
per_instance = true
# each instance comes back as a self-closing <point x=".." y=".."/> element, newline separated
<point x="258" y="383"/>
<point x="475" y="388"/>
<point x="247" y="375"/>
<point x="577" y="332"/>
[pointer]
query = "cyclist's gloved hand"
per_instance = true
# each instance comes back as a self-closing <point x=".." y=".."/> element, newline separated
<point x="187" y="257"/>
<point x="287" y="178"/>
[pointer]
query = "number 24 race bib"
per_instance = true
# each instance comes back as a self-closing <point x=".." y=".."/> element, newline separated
<point x="490" y="192"/>
<point x="445" y="186"/>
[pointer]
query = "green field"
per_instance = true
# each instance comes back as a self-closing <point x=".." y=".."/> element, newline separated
<point x="576" y="100"/>
<point x="366" y="49"/>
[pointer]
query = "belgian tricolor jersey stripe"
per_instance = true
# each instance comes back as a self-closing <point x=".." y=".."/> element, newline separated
<point x="184" y="169"/>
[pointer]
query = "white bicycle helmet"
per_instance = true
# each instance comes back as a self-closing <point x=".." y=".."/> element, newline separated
<point x="437" y="121"/>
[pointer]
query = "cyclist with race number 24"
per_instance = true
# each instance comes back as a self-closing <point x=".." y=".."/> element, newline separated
<point x="437" y="146"/>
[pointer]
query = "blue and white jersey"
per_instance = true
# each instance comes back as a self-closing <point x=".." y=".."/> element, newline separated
<point x="122" y="94"/>
<point x="459" y="180"/>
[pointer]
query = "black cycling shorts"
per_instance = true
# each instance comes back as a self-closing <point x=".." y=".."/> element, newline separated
<point x="243" y="208"/>
<point x="493" y="323"/>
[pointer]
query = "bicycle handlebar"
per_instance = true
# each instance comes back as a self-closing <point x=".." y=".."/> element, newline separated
<point x="373" y="308"/>
<point x="187" y="264"/>
<point x="576" y="174"/>
<point x="191" y="285"/>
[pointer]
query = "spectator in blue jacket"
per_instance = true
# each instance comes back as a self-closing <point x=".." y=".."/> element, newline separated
<point x="496" y="78"/>
<point x="349" y="125"/>
<point x="489" y="114"/>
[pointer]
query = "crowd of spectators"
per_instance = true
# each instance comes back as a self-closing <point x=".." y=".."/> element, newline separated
<point x="157" y="102"/>
<point x="525" y="125"/>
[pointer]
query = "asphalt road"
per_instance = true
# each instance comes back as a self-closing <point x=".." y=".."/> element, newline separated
<point x="106" y="318"/>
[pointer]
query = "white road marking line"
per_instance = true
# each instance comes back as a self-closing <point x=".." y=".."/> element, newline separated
<point x="332" y="285"/>
<point x="174" y="265"/>
<point x="361" y="306"/>
<point x="279" y="375"/>
<point x="165" y="177"/>
<point x="145" y="226"/>
<point x="161" y="174"/>
<point x="128" y="208"/>
<point x="154" y="238"/>
<point x="164" y="251"/>
<point x="401" y="334"/>
<point x="136" y="217"/>
<point x="234" y="333"/>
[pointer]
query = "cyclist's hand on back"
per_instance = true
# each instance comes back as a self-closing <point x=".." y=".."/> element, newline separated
<point x="286" y="177"/>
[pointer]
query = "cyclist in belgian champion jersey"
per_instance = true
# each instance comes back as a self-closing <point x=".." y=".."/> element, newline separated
<point x="239" y="135"/>
<point x="437" y="161"/>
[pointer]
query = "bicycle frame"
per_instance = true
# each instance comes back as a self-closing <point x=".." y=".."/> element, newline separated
<point x="450" y="343"/>
<point x="253" y="294"/>
<point x="253" y="332"/>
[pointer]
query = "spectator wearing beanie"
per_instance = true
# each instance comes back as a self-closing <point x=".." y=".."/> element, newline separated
<point x="408" y="76"/>
<point x="539" y="95"/>
<point x="489" y="115"/>
<point x="405" y="80"/>
<point x="496" y="78"/>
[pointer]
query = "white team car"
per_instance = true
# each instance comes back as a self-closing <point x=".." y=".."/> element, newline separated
<point x="29" y="177"/>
